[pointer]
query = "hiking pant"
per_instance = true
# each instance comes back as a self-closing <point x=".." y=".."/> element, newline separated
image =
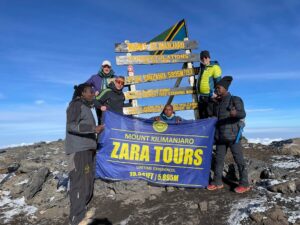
<point x="81" y="184"/>
<point x="205" y="106"/>
<point x="236" y="149"/>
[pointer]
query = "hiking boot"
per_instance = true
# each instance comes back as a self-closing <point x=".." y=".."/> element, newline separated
<point x="213" y="187"/>
<point x="241" y="189"/>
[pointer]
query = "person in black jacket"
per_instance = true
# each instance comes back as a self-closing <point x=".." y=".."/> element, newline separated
<point x="230" y="113"/>
<point x="80" y="147"/>
<point x="113" y="97"/>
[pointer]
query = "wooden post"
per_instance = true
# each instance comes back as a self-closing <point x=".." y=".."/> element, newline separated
<point x="130" y="73"/>
<point x="192" y="82"/>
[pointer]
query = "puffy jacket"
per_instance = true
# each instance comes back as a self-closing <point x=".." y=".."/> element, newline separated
<point x="80" y="134"/>
<point x="99" y="81"/>
<point x="208" y="76"/>
<point x="112" y="98"/>
<point x="227" y="127"/>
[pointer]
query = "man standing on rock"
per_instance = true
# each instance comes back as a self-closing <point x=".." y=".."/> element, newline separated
<point x="230" y="112"/>
<point x="210" y="73"/>
<point x="80" y="147"/>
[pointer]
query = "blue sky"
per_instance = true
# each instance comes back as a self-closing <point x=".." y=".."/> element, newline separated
<point x="48" y="46"/>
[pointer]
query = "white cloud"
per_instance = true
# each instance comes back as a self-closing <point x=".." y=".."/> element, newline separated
<point x="264" y="141"/>
<point x="39" y="102"/>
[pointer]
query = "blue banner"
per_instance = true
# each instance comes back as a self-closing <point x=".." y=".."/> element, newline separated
<point x="161" y="153"/>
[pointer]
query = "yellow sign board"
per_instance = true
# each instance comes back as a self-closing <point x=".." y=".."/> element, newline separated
<point x="158" y="108"/>
<point x="158" y="93"/>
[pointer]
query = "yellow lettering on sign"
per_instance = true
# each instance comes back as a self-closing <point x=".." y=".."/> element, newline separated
<point x="198" y="157"/>
<point x="157" y="153"/>
<point x="145" y="156"/>
<point x="135" y="151"/>
<point x="115" y="150"/>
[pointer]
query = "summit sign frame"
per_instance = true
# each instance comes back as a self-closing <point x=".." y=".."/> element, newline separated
<point x="187" y="71"/>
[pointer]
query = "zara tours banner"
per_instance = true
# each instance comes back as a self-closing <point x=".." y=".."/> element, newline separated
<point x="155" y="151"/>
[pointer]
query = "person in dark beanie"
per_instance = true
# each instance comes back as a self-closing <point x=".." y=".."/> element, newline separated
<point x="80" y="147"/>
<point x="100" y="82"/>
<point x="113" y="97"/>
<point x="209" y="74"/>
<point x="230" y="113"/>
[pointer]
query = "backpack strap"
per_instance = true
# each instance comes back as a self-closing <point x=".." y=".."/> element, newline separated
<point x="102" y="93"/>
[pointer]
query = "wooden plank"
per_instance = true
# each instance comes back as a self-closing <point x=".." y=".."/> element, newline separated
<point x="137" y="79"/>
<point x="155" y="46"/>
<point x="151" y="93"/>
<point x="151" y="77"/>
<point x="158" y="108"/>
<point x="157" y="59"/>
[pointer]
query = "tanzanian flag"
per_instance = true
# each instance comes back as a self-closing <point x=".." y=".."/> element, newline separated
<point x="175" y="33"/>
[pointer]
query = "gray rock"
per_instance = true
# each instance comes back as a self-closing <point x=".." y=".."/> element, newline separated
<point x="297" y="182"/>
<point x="28" y="166"/>
<point x="286" y="187"/>
<point x="276" y="214"/>
<point x="36" y="183"/>
<point x="267" y="174"/>
<point x="13" y="167"/>
<point x="256" y="217"/>
<point x="203" y="206"/>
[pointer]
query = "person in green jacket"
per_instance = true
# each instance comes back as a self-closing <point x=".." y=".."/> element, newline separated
<point x="209" y="75"/>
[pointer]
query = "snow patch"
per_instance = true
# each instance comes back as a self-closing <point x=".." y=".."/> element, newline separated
<point x="286" y="162"/>
<point x="12" y="207"/>
<point x="243" y="208"/>
<point x="22" y="182"/>
<point x="2" y="176"/>
<point x="264" y="141"/>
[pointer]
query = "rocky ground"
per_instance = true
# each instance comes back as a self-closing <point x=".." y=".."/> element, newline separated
<point x="33" y="180"/>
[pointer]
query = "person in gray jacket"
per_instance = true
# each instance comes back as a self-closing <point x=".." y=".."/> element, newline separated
<point x="230" y="113"/>
<point x="80" y="147"/>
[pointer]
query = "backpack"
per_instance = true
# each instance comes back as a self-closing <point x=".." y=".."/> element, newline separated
<point x="241" y="123"/>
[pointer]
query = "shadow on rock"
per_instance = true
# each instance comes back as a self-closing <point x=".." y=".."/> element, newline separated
<point x="100" y="221"/>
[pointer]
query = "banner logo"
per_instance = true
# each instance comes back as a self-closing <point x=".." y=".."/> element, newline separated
<point x="160" y="126"/>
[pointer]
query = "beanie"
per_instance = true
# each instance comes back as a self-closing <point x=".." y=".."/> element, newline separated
<point x="225" y="82"/>
<point x="204" y="53"/>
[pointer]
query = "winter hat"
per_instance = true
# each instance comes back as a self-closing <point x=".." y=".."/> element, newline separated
<point x="204" y="53"/>
<point x="106" y="63"/>
<point x="225" y="82"/>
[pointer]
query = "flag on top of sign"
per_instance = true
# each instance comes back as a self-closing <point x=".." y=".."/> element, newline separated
<point x="176" y="32"/>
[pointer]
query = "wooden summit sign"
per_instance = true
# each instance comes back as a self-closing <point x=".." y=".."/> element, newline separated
<point x="157" y="59"/>
<point x="155" y="46"/>
<point x="137" y="79"/>
<point x="158" y="92"/>
<point x="160" y="46"/>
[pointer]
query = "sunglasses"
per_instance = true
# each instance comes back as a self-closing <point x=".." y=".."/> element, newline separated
<point x="120" y="82"/>
<point x="106" y="66"/>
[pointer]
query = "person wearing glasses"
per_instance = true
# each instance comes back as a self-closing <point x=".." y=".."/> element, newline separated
<point x="113" y="97"/>
<point x="100" y="81"/>
<point x="209" y="74"/>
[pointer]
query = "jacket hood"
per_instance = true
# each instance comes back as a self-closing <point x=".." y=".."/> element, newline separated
<point x="109" y="75"/>
<point x="165" y="117"/>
